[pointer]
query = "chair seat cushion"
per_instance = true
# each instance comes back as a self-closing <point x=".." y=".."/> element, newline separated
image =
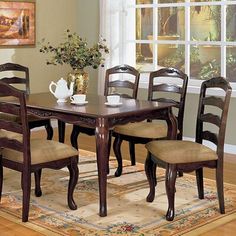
<point x="177" y="152"/>
<point x="42" y="151"/>
<point x="152" y="130"/>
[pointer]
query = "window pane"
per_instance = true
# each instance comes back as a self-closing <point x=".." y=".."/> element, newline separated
<point x="231" y="63"/>
<point x="144" y="23"/>
<point x="204" y="61"/>
<point x="171" y="55"/>
<point x="144" y="1"/>
<point x="171" y="22"/>
<point x="205" y="23"/>
<point x="144" y="56"/>
<point x="230" y="23"/>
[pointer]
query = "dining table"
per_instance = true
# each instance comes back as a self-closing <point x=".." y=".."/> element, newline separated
<point x="97" y="114"/>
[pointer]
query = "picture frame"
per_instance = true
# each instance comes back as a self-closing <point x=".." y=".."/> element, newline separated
<point x="17" y="23"/>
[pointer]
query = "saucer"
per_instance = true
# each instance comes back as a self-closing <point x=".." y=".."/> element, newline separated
<point x="79" y="103"/>
<point x="113" y="104"/>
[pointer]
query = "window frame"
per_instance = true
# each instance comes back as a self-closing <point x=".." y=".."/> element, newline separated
<point x="125" y="31"/>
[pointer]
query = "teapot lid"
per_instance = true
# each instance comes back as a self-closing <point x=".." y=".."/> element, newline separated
<point x="61" y="81"/>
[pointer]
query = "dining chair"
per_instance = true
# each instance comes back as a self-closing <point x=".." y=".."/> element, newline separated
<point x="21" y="80"/>
<point x="20" y="153"/>
<point x="190" y="156"/>
<point x="125" y="84"/>
<point x="165" y="85"/>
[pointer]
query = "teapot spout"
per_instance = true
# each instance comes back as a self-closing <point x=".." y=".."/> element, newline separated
<point x="71" y="90"/>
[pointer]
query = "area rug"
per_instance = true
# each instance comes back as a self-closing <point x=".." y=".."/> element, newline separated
<point x="128" y="211"/>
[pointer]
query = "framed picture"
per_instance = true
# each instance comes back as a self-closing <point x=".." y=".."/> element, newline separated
<point x="17" y="23"/>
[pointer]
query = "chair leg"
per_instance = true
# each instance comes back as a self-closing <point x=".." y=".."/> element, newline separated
<point x="1" y="177"/>
<point x="132" y="153"/>
<point x="74" y="174"/>
<point x="61" y="131"/>
<point x="171" y="174"/>
<point x="154" y="168"/>
<point x="49" y="130"/>
<point x="220" y="188"/>
<point x="26" y="186"/>
<point x="74" y="136"/>
<point x="37" y="176"/>
<point x="117" y="150"/>
<point x="149" y="170"/>
<point x="200" y="186"/>
<point x="109" y="151"/>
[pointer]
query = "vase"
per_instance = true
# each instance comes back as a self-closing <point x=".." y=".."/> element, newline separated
<point x="81" y="78"/>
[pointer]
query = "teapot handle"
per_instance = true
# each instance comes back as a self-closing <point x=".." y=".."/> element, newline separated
<point x="50" y="87"/>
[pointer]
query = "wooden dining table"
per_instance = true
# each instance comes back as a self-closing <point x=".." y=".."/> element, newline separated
<point x="103" y="118"/>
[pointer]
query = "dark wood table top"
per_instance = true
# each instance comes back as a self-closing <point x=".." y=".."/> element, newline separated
<point x="94" y="108"/>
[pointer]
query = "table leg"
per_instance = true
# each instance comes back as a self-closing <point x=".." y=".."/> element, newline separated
<point x="102" y="148"/>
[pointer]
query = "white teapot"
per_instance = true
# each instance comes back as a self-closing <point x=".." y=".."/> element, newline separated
<point x="61" y="91"/>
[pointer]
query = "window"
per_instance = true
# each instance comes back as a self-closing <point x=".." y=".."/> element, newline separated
<point x="196" y="36"/>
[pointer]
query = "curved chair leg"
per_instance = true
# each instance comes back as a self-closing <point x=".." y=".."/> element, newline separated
<point x="220" y="188"/>
<point x="74" y="136"/>
<point x="74" y="174"/>
<point x="49" y="130"/>
<point x="154" y="168"/>
<point x="109" y="151"/>
<point x="132" y="153"/>
<point x="26" y="186"/>
<point x="1" y="177"/>
<point x="61" y="131"/>
<point x="171" y="175"/>
<point x="37" y="176"/>
<point x="200" y="187"/>
<point x="149" y="167"/>
<point x="116" y="147"/>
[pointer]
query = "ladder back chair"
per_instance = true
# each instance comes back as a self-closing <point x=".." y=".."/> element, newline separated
<point x="112" y="87"/>
<point x="190" y="156"/>
<point x="143" y="132"/>
<point x="21" y="80"/>
<point x="20" y="153"/>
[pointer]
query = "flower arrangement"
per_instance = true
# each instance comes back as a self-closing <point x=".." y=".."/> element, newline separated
<point x="76" y="52"/>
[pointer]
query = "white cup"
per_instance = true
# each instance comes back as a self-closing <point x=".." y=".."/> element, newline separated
<point x="78" y="98"/>
<point x="113" y="99"/>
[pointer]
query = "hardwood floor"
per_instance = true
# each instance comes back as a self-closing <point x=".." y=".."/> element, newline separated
<point x="9" y="228"/>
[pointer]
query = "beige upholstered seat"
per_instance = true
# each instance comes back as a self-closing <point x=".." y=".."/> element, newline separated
<point x="143" y="129"/>
<point x="187" y="156"/>
<point x="175" y="151"/>
<point x="42" y="151"/>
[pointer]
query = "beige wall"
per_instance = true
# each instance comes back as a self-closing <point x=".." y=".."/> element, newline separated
<point x="53" y="18"/>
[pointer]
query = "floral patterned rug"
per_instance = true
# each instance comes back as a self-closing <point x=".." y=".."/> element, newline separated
<point x="128" y="211"/>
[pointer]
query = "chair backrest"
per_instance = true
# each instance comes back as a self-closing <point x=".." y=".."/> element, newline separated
<point x="122" y="83"/>
<point x="213" y="110"/>
<point x="157" y="86"/>
<point x="22" y="80"/>
<point x="14" y="134"/>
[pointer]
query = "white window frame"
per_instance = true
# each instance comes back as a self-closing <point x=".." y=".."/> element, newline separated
<point x="116" y="25"/>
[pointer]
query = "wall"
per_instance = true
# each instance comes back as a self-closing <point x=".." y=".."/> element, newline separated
<point x="88" y="27"/>
<point x="53" y="18"/>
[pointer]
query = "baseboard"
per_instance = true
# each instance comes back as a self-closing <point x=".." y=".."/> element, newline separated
<point x="228" y="148"/>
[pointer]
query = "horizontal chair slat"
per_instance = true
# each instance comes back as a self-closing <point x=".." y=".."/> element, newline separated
<point x="210" y="118"/>
<point x="167" y="88"/>
<point x="118" y="83"/>
<point x="11" y="126"/>
<point x="210" y="136"/>
<point x="214" y="101"/>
